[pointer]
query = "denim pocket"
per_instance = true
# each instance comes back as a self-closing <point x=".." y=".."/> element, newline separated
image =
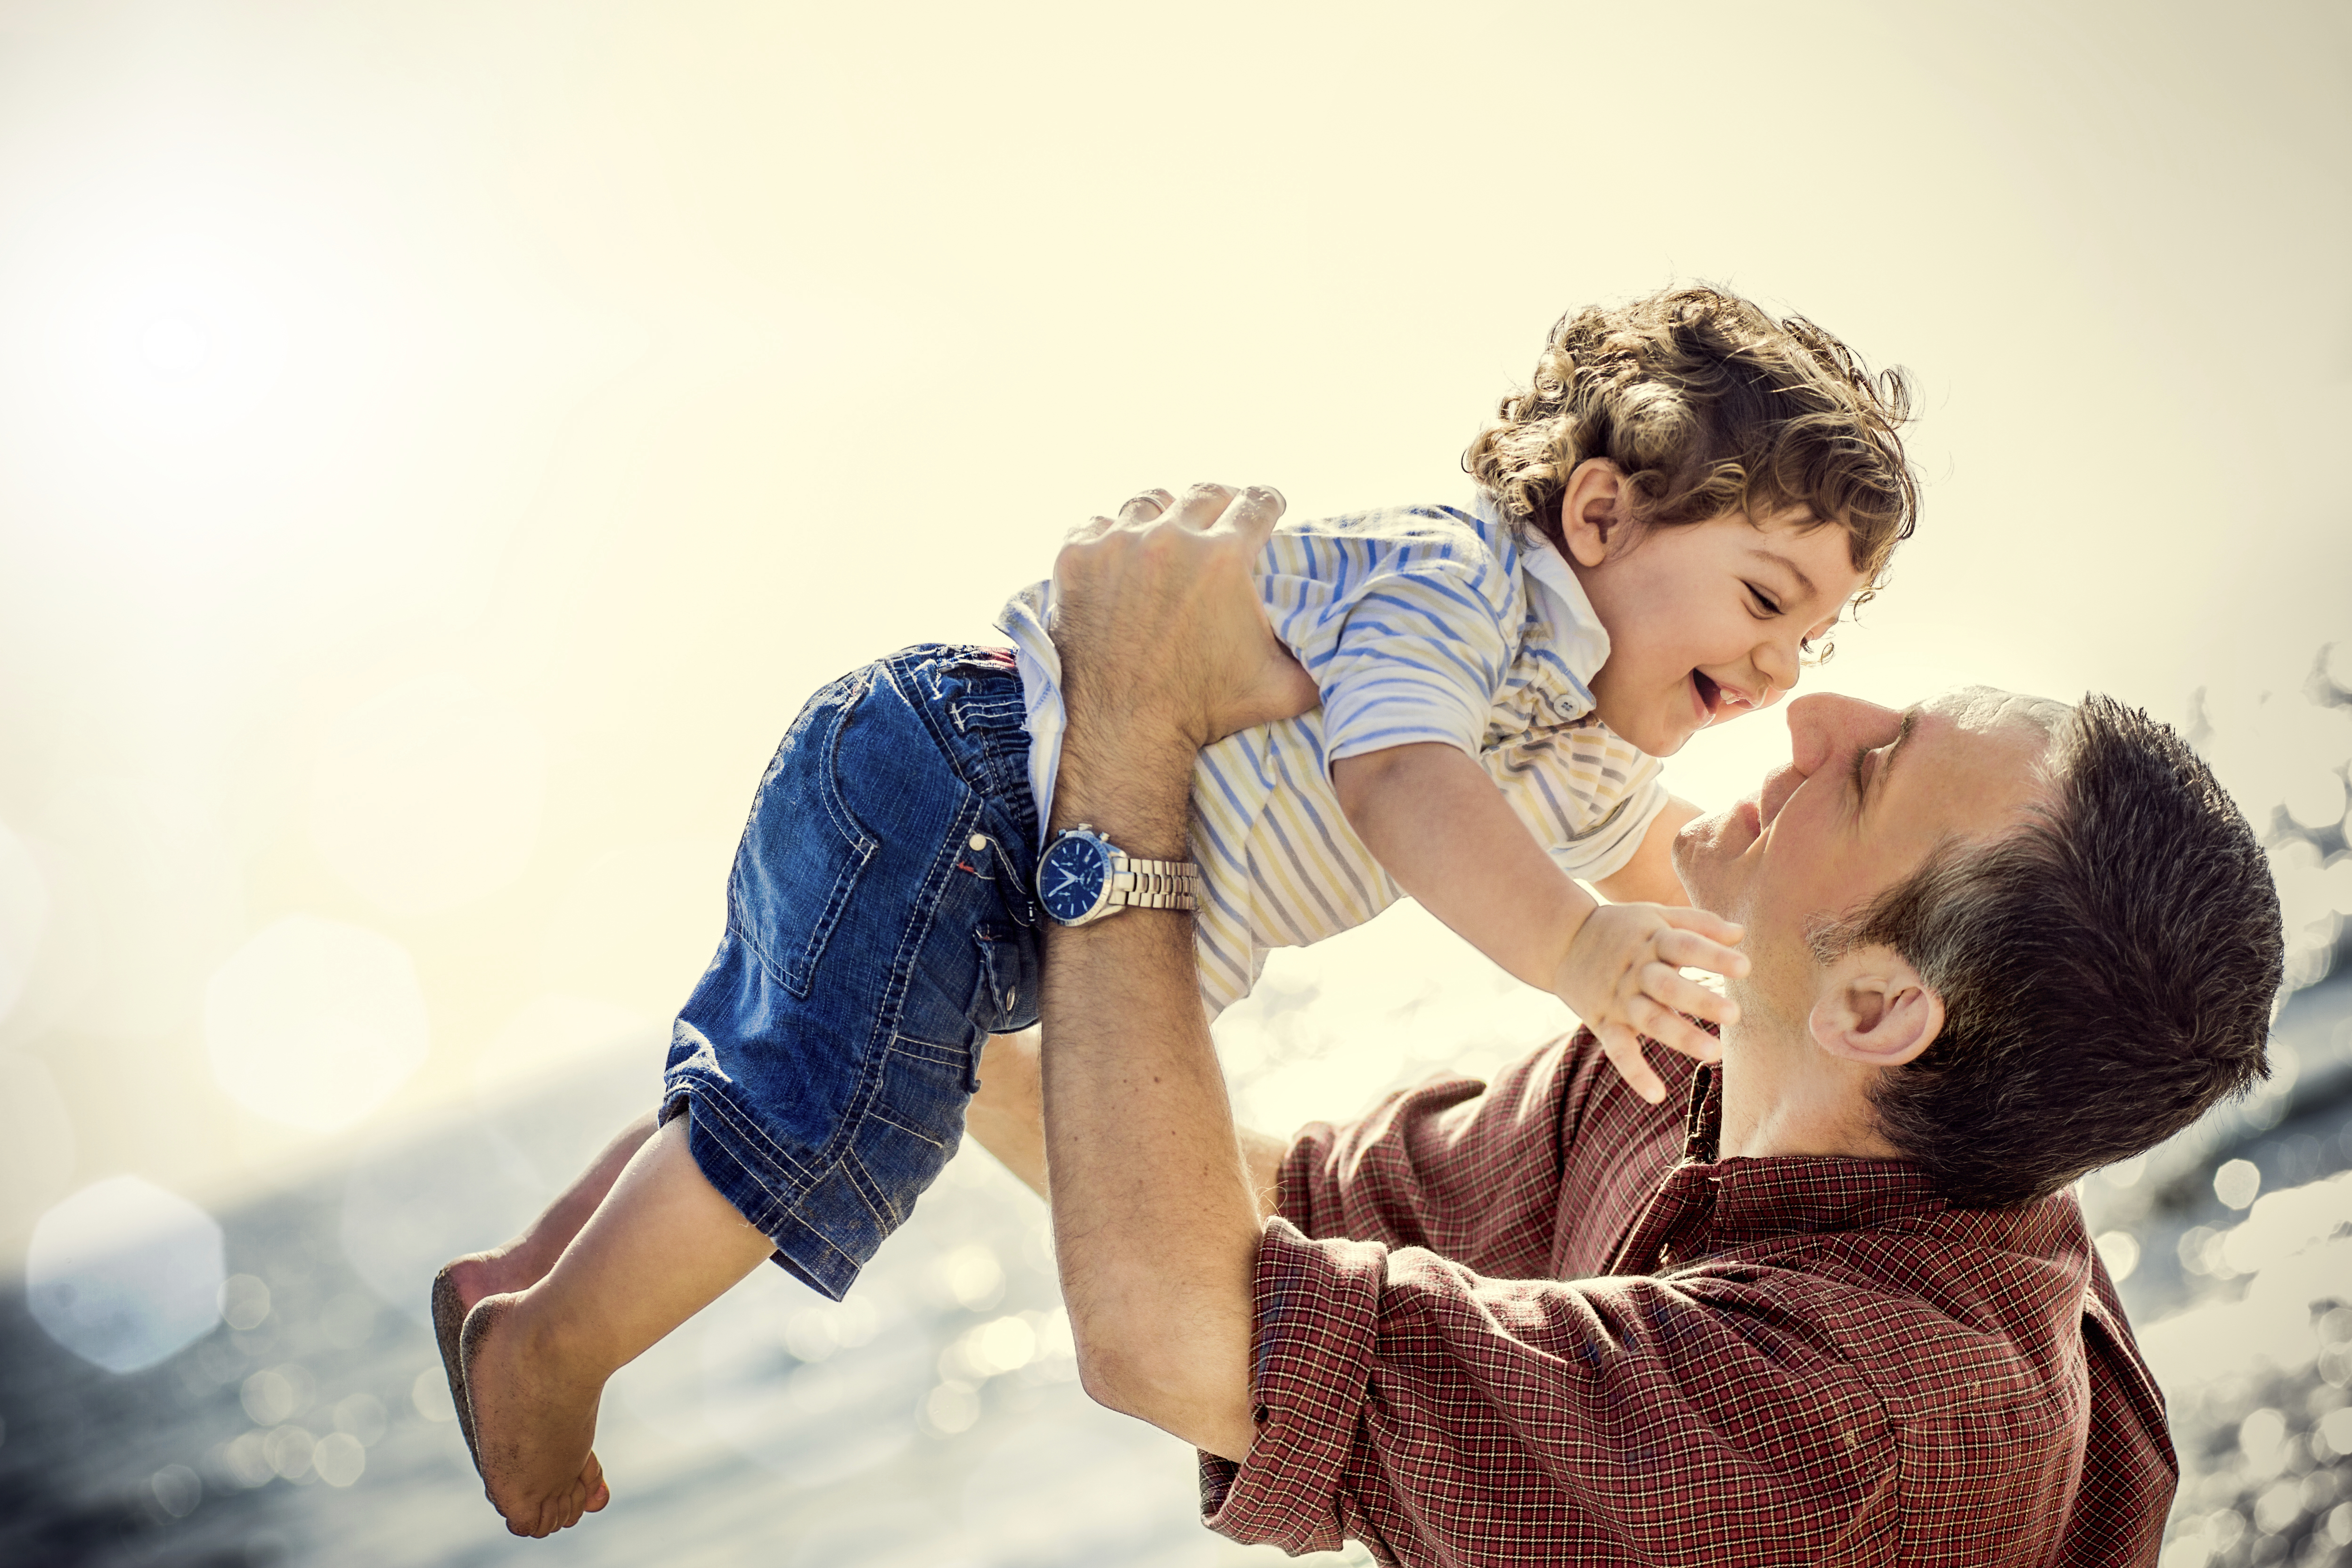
<point x="804" y="848"/>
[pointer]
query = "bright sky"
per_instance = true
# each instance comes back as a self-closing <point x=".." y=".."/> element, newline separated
<point x="442" y="443"/>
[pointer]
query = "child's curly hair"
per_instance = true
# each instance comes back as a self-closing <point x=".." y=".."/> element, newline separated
<point x="1708" y="405"/>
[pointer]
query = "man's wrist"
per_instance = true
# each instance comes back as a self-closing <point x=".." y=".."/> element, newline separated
<point x="1136" y="790"/>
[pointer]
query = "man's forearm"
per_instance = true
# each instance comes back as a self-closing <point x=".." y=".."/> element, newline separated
<point x="1164" y="647"/>
<point x="1007" y="1118"/>
<point x="1155" y="1213"/>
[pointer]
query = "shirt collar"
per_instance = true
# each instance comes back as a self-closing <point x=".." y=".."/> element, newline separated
<point x="1713" y="1204"/>
<point x="1578" y="636"/>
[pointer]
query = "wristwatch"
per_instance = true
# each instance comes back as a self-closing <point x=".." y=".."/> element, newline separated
<point x="1083" y="876"/>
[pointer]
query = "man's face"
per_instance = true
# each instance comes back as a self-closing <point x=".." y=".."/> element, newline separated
<point x="1867" y="795"/>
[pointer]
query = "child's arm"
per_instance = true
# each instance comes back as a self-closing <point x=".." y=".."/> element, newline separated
<point x="1649" y="877"/>
<point x="1430" y="816"/>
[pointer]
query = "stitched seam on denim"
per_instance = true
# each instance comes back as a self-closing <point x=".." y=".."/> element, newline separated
<point x="862" y="1102"/>
<point x="711" y="1096"/>
<point x="890" y="1007"/>
<point x="870" y="1192"/>
<point x="716" y="1099"/>
<point x="928" y="699"/>
<point x="881" y="1113"/>
<point x="772" y="1209"/>
<point x="926" y="1051"/>
<point x="779" y="1208"/>
<point x="991" y="772"/>
<point x="997" y="718"/>
<point x="810" y="711"/>
<point x="800" y="975"/>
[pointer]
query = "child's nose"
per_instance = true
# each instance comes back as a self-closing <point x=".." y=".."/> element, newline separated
<point x="1778" y="661"/>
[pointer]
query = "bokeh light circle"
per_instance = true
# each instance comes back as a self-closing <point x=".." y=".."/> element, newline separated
<point x="314" y="1023"/>
<point x="123" y="1274"/>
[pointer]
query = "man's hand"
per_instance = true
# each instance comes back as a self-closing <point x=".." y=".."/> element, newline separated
<point x="1624" y="977"/>
<point x="1165" y="578"/>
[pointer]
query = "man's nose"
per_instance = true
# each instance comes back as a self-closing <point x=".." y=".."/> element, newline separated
<point x="1828" y="724"/>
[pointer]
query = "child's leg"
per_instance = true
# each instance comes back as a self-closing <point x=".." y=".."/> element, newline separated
<point x="661" y="1246"/>
<point x="523" y="1261"/>
<point x="526" y="1259"/>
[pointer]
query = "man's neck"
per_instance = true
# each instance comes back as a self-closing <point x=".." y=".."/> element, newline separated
<point x="1782" y="1095"/>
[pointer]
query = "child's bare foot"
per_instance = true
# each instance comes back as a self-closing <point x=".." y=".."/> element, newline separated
<point x="522" y="1262"/>
<point x="534" y="1420"/>
<point x="462" y="1282"/>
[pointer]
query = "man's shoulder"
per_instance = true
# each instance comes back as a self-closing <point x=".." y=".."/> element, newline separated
<point x="1945" y="1307"/>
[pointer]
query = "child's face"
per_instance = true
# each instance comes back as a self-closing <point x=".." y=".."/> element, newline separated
<point x="1707" y="620"/>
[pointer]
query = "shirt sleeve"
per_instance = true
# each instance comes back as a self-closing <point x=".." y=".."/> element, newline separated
<point x="1605" y="851"/>
<point x="1408" y="636"/>
<point x="1435" y="1415"/>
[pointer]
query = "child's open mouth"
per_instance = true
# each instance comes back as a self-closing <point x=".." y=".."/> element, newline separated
<point x="1710" y="695"/>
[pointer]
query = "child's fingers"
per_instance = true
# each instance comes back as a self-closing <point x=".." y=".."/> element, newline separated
<point x="1707" y="922"/>
<point x="1689" y="950"/>
<point x="1623" y="1050"/>
<point x="1671" y="988"/>
<point x="1674" y="1031"/>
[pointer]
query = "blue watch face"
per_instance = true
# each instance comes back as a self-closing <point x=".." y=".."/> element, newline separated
<point x="1070" y="878"/>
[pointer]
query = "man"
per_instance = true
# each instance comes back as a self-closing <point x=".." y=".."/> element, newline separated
<point x="1840" y="1309"/>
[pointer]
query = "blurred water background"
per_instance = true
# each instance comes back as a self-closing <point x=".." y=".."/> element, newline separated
<point x="441" y="444"/>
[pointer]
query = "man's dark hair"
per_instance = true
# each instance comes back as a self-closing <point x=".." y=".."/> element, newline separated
<point x="2107" y="971"/>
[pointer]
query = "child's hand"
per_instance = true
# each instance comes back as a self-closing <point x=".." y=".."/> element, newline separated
<point x="1623" y="975"/>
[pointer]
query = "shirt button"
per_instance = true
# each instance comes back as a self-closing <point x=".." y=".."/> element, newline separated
<point x="978" y="841"/>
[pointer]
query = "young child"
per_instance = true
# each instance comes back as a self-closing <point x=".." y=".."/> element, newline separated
<point x="1685" y="499"/>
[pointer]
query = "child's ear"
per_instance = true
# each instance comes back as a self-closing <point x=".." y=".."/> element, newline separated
<point x="1593" y="510"/>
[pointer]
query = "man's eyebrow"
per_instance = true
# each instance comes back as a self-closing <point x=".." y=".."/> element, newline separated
<point x="1877" y="781"/>
<point x="1787" y="565"/>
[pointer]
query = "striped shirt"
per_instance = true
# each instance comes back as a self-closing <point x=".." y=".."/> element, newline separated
<point x="1418" y="624"/>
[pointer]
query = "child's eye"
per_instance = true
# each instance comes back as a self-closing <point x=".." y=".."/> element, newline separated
<point x="1764" y="601"/>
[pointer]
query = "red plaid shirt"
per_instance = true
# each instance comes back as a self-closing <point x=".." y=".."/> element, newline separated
<point x="1539" y="1322"/>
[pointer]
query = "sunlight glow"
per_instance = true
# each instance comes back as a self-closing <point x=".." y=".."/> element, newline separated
<point x="24" y="912"/>
<point x="314" y="1023"/>
<point x="177" y="335"/>
<point x="428" y="796"/>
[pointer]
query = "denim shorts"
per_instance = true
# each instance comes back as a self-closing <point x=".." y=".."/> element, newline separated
<point x="879" y="927"/>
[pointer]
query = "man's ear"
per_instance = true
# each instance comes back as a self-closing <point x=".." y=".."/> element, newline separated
<point x="1593" y="511"/>
<point x="1873" y="1010"/>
